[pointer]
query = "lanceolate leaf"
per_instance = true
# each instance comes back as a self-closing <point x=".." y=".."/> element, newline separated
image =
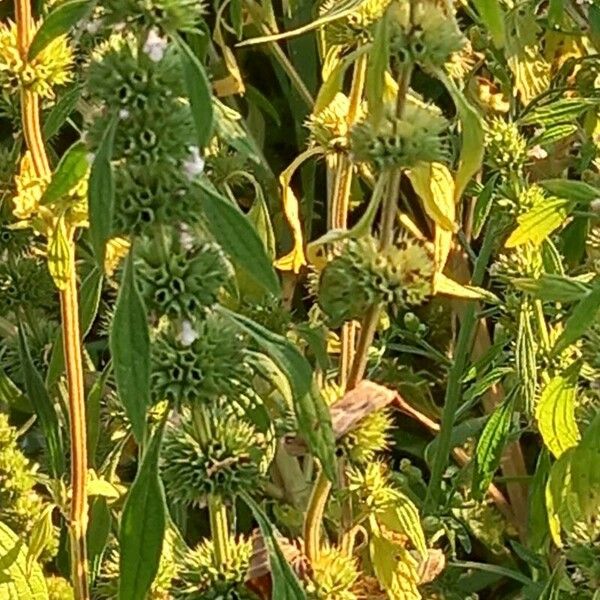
<point x="577" y="191"/>
<point x="561" y="503"/>
<point x="101" y="194"/>
<point x="71" y="169"/>
<point x="492" y="15"/>
<point x="490" y="446"/>
<point x="473" y="136"/>
<point x="142" y="527"/>
<point x="553" y="288"/>
<point x="199" y="93"/>
<point x="239" y="239"/>
<point x="130" y="349"/>
<point x="61" y="111"/>
<point x="44" y="407"/>
<point x="537" y="526"/>
<point x="312" y="413"/>
<point x="285" y="583"/>
<point x="555" y="413"/>
<point x="60" y="21"/>
<point x="582" y="315"/>
<point x="377" y="65"/>
<point x="540" y="222"/>
<point x="17" y="582"/>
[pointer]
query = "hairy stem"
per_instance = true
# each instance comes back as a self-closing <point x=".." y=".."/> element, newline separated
<point x="69" y="304"/>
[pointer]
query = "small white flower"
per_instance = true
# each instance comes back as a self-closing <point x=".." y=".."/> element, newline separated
<point x="155" y="46"/>
<point x="194" y="165"/>
<point x="595" y="205"/>
<point x="188" y="334"/>
<point x="537" y="152"/>
<point x="185" y="237"/>
<point x="124" y="114"/>
<point x="90" y="158"/>
<point x="93" y="26"/>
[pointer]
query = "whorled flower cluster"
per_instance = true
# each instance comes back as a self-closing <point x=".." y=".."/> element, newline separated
<point x="235" y="457"/>
<point x="506" y="147"/>
<point x="153" y="149"/>
<point x="402" y="142"/>
<point x="361" y="275"/>
<point x="179" y="282"/>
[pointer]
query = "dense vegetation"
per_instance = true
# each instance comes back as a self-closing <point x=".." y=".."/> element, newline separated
<point x="299" y="300"/>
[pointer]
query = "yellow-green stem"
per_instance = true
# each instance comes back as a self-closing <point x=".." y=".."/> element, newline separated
<point x="314" y="516"/>
<point x="69" y="305"/>
<point x="541" y="322"/>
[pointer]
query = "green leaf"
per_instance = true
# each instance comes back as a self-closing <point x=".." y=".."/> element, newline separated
<point x="483" y="206"/>
<point x="378" y="62"/>
<point x="558" y="112"/>
<point x="71" y="169"/>
<point x="553" y="288"/>
<point x="142" y="527"/>
<point x="42" y="534"/>
<point x="577" y="323"/>
<point x="43" y="406"/>
<point x="92" y="405"/>
<point x="60" y="21"/>
<point x="553" y="134"/>
<point x="555" y="412"/>
<point x="259" y="216"/>
<point x="585" y="472"/>
<point x="473" y="136"/>
<point x="199" y="93"/>
<point x="594" y="21"/>
<point x="60" y="112"/>
<point x="89" y="301"/>
<point x="537" y="525"/>
<point x="492" y="15"/>
<point x="17" y="582"/>
<point x="313" y="415"/>
<point x="556" y="9"/>
<point x="537" y="224"/>
<point x="101" y="194"/>
<point x="561" y="502"/>
<point x="98" y="533"/>
<point x="490" y="446"/>
<point x="285" y="583"/>
<point x="403" y="517"/>
<point x="526" y="358"/>
<point x="130" y="350"/>
<point x="234" y="232"/>
<point x="577" y="191"/>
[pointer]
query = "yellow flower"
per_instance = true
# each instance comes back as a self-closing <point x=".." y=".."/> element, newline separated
<point x="50" y="68"/>
<point x="30" y="189"/>
<point x="334" y="575"/>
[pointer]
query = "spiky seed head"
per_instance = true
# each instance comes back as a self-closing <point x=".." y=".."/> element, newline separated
<point x="334" y="575"/>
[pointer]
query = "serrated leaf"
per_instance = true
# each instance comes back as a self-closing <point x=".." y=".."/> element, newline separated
<point x="577" y="323"/>
<point x="585" y="472"/>
<point x="42" y="534"/>
<point x="553" y="288"/>
<point x="234" y="232"/>
<point x="555" y="413"/>
<point x="537" y="224"/>
<point x="576" y="191"/>
<point x="142" y="527"/>
<point x="43" y="406"/>
<point x="472" y="136"/>
<point x="16" y="581"/>
<point x="490" y="446"/>
<point x="558" y="112"/>
<point x="403" y="517"/>
<point x="60" y="21"/>
<point x="492" y="15"/>
<point x="561" y="502"/>
<point x="60" y="112"/>
<point x="60" y="255"/>
<point x="312" y="413"/>
<point x="199" y="93"/>
<point x="101" y="194"/>
<point x="130" y="350"/>
<point x="553" y="134"/>
<point x="71" y="169"/>
<point x="377" y="65"/>
<point x="285" y="583"/>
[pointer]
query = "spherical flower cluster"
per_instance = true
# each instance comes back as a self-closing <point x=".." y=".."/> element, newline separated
<point x="182" y="282"/>
<point x="356" y="27"/>
<point x="429" y="35"/>
<point x="50" y="68"/>
<point x="235" y="458"/>
<point x="361" y="275"/>
<point x="165" y="15"/>
<point x="417" y="136"/>
<point x="506" y="147"/>
<point x="202" y="577"/>
<point x="334" y="575"/>
<point x="201" y="365"/>
<point x="59" y="588"/>
<point x="371" y="486"/>
<point x="154" y="136"/>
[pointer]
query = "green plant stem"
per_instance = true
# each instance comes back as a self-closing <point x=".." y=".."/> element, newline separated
<point x="217" y="510"/>
<point x="453" y="389"/>
<point x="314" y="516"/>
<point x="541" y="322"/>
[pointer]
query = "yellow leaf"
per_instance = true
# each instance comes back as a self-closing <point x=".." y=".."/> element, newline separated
<point x="294" y="260"/>
<point x="233" y="83"/>
<point x="442" y="247"/>
<point x="434" y="184"/>
<point x="60" y="255"/>
<point x="555" y="414"/>
<point x="445" y="285"/>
